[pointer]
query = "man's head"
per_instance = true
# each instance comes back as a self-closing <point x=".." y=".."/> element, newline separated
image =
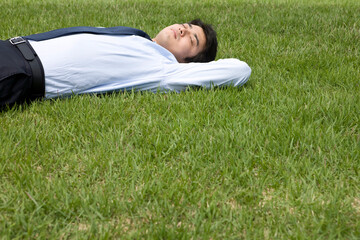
<point x="189" y="42"/>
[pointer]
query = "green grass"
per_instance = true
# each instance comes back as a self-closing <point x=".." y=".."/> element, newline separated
<point x="276" y="159"/>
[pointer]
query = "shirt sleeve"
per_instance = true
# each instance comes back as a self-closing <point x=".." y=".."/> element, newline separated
<point x="223" y="72"/>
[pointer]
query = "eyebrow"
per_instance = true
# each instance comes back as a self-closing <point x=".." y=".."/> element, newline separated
<point x="196" y="37"/>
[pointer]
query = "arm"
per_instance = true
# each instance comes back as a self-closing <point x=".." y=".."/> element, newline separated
<point x="224" y="72"/>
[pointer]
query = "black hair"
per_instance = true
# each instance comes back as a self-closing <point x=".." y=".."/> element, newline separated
<point x="209" y="52"/>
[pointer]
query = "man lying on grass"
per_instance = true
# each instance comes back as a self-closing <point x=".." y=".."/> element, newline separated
<point x="82" y="60"/>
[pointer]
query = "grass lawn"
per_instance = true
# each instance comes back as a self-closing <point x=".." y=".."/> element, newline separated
<point x="276" y="159"/>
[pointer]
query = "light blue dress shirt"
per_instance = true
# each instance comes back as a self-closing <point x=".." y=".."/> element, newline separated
<point x="90" y="63"/>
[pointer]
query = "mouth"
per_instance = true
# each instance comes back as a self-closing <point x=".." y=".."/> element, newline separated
<point x="175" y="35"/>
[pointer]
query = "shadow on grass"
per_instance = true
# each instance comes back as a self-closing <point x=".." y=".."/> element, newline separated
<point x="123" y="93"/>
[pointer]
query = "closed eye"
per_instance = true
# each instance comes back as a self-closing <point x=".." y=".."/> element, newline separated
<point x="195" y="35"/>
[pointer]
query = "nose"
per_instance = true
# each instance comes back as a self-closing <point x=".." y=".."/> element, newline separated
<point x="182" y="31"/>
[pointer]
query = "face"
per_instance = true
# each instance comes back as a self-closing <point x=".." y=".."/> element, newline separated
<point x="182" y="40"/>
